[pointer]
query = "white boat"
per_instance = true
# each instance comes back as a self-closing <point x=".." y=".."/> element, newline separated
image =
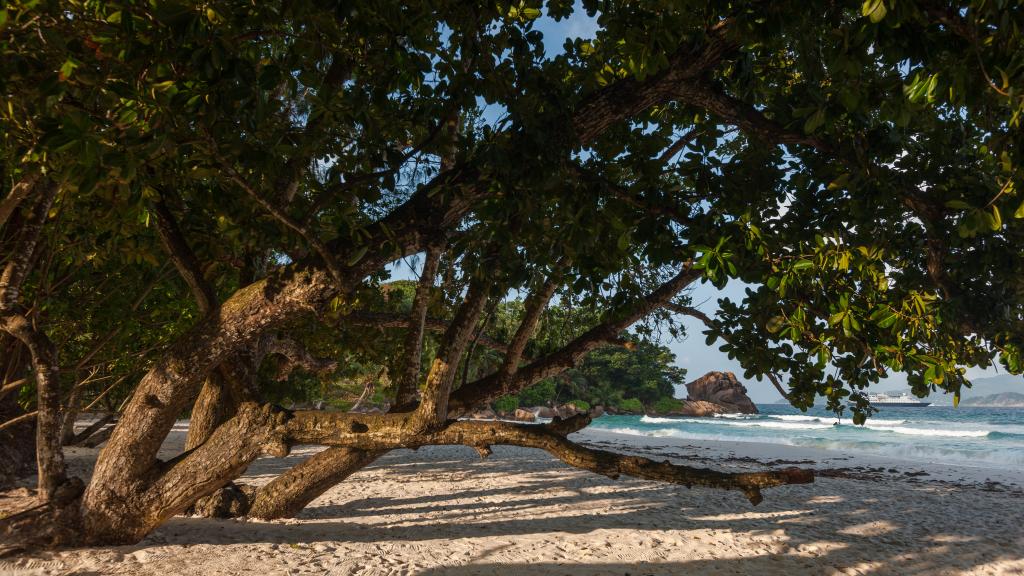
<point x="903" y="400"/>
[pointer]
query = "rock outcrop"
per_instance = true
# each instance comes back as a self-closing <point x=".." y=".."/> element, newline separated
<point x="484" y="414"/>
<point x="521" y="415"/>
<point x="721" y="389"/>
<point x="543" y="411"/>
<point x="701" y="408"/>
<point x="712" y="393"/>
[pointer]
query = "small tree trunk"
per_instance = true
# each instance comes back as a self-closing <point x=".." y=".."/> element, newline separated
<point x="67" y="435"/>
<point x="225" y="389"/>
<point x="49" y="456"/>
<point x="209" y="411"/>
<point x="92" y="429"/>
<point x="49" y="453"/>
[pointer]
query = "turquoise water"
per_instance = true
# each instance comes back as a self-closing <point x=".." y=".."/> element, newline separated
<point x="989" y="437"/>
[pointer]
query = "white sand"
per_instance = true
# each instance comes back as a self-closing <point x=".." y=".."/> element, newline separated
<point x="443" y="511"/>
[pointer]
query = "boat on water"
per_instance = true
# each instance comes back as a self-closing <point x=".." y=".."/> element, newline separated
<point x="903" y="400"/>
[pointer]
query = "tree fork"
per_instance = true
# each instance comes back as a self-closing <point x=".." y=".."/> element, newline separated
<point x="433" y="408"/>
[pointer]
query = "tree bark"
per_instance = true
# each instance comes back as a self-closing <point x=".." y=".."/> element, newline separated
<point x="67" y="429"/>
<point x="49" y="456"/>
<point x="534" y="306"/>
<point x="289" y="493"/>
<point x="211" y="409"/>
<point x="43" y="354"/>
<point x="229" y="384"/>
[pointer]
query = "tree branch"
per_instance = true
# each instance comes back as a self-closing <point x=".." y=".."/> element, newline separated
<point x="49" y="457"/>
<point x="433" y="408"/>
<point x="296" y="355"/>
<point x="490" y="387"/>
<point x="330" y="262"/>
<point x="694" y="313"/>
<point x="183" y="258"/>
<point x="18" y="266"/>
<point x="533" y="307"/>
<point x="628" y="97"/>
<point x="339" y="430"/>
<point x="738" y="113"/>
<point x="409" y="377"/>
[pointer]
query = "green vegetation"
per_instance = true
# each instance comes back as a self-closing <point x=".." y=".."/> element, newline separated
<point x="666" y="405"/>
<point x="631" y="406"/>
<point x="609" y="377"/>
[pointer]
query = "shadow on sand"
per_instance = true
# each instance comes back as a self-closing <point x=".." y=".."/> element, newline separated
<point x="875" y="530"/>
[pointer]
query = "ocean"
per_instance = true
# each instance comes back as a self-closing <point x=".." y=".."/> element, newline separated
<point x="966" y="436"/>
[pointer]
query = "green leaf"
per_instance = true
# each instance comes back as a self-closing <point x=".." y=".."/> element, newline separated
<point x="989" y="221"/>
<point x="623" y="242"/>
<point x="802" y="264"/>
<point x="849" y="100"/>
<point x="67" y="68"/>
<point x="814" y="121"/>
<point x="997" y="219"/>
<point x="1019" y="212"/>
<point x="358" y="255"/>
<point x="873" y="9"/>
<point x="839" y="182"/>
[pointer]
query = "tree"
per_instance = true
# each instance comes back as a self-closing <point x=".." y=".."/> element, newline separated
<point x="224" y="182"/>
<point x="609" y="375"/>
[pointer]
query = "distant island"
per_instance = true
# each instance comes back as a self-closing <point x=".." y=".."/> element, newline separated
<point x="1002" y="400"/>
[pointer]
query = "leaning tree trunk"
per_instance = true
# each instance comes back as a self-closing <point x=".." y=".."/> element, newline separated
<point x="288" y="494"/>
<point x="67" y="434"/>
<point x="209" y="411"/>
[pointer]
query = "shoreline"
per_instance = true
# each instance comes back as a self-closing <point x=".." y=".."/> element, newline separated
<point x="442" y="511"/>
<point x="765" y="454"/>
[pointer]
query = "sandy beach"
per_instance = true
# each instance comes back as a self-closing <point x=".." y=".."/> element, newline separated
<point x="442" y="510"/>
